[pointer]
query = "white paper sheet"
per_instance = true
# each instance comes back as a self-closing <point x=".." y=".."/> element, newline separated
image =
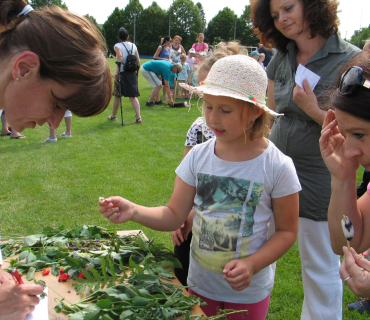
<point x="304" y="73"/>
<point x="41" y="311"/>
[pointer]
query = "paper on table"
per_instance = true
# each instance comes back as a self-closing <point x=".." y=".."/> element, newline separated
<point x="41" y="311"/>
<point x="304" y="73"/>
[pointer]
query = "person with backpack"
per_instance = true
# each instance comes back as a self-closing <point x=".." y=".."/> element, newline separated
<point x="199" y="47"/>
<point x="126" y="84"/>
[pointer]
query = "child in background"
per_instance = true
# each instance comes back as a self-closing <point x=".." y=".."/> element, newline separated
<point x="182" y="77"/>
<point x="235" y="182"/>
<point x="255" y="55"/>
<point x="260" y="60"/>
<point x="190" y="59"/>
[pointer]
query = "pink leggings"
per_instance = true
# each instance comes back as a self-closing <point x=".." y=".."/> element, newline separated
<point x="256" y="311"/>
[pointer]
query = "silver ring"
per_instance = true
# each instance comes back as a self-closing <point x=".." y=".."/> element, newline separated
<point x="346" y="279"/>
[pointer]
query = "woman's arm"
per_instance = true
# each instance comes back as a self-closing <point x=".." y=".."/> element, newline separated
<point x="168" y="218"/>
<point x="307" y="101"/>
<point x="119" y="58"/>
<point x="270" y="95"/>
<point x="239" y="273"/>
<point x="157" y="53"/>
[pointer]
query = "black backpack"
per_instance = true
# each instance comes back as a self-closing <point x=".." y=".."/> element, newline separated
<point x="131" y="62"/>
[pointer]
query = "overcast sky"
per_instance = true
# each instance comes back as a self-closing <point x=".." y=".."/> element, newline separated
<point x="355" y="13"/>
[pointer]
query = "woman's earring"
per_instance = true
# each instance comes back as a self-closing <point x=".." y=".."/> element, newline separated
<point x="17" y="79"/>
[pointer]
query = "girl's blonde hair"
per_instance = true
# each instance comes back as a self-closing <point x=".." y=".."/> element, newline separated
<point x="183" y="56"/>
<point x="261" y="125"/>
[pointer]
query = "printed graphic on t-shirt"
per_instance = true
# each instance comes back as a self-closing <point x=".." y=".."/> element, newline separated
<point x="223" y="224"/>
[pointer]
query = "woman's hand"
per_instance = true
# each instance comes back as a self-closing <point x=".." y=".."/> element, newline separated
<point x="238" y="273"/>
<point x="331" y="146"/>
<point x="116" y="209"/>
<point x="356" y="269"/>
<point x="307" y="101"/>
<point x="16" y="301"/>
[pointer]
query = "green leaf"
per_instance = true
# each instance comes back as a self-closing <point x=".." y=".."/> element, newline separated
<point x="30" y="258"/>
<point x="31" y="273"/>
<point x="23" y="255"/>
<point x="104" y="304"/>
<point x="140" y="301"/>
<point x="55" y="270"/>
<point x="51" y="252"/>
<point x="76" y="316"/>
<point x="135" y="266"/>
<point x="29" y="241"/>
<point x="125" y="314"/>
<point x="74" y="263"/>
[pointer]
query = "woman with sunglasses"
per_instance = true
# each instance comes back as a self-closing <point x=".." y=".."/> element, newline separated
<point x="345" y="144"/>
<point x="305" y="32"/>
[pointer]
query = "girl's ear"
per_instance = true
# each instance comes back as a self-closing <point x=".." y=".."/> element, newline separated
<point x="26" y="66"/>
<point x="257" y="112"/>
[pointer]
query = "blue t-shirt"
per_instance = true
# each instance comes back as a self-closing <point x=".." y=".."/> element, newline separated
<point x="161" y="68"/>
<point x="183" y="75"/>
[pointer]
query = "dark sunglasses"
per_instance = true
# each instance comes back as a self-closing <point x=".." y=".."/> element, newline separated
<point x="351" y="79"/>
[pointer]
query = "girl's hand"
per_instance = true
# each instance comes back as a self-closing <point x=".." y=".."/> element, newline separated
<point x="238" y="273"/>
<point x="331" y="146"/>
<point x="359" y="281"/>
<point x="116" y="209"/>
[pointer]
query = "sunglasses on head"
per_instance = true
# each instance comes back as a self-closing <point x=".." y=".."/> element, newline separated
<point x="351" y="79"/>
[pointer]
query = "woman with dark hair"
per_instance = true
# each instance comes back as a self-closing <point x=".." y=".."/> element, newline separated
<point x="345" y="144"/>
<point x="305" y="32"/>
<point x="126" y="84"/>
<point x="50" y="60"/>
<point x="163" y="53"/>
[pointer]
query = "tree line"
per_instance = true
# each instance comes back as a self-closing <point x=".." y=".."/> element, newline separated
<point x="184" y="18"/>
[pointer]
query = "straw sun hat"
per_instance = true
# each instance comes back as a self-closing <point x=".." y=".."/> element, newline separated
<point x="237" y="76"/>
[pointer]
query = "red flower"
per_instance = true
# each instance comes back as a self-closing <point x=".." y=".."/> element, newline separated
<point x="45" y="272"/>
<point x="81" y="275"/>
<point x="61" y="271"/>
<point x="63" y="277"/>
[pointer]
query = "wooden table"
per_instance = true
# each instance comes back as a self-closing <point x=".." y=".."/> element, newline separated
<point x="66" y="290"/>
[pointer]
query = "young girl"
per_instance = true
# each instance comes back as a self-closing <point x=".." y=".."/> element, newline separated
<point x="235" y="182"/>
<point x="182" y="77"/>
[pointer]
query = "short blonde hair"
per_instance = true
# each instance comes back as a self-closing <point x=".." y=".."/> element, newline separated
<point x="183" y="56"/>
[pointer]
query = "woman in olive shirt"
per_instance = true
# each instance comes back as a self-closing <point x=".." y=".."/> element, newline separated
<point x="306" y="33"/>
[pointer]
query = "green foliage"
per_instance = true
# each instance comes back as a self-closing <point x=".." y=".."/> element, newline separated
<point x="202" y="15"/>
<point x="133" y="8"/>
<point x="152" y="25"/>
<point x="111" y="27"/>
<point x="360" y="36"/>
<point x="222" y="25"/>
<point x="185" y="21"/>
<point x="244" y="32"/>
<point x="93" y="20"/>
<point x="222" y="28"/>
<point x="36" y="4"/>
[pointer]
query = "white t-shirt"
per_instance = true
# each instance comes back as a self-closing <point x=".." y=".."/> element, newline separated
<point x="130" y="46"/>
<point x="233" y="207"/>
<point x="190" y="62"/>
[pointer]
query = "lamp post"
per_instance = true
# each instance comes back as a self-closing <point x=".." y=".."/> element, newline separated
<point x="169" y="25"/>
<point x="235" y="29"/>
<point x="135" y="14"/>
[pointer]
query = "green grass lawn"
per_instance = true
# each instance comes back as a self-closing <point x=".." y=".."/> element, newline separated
<point x="55" y="184"/>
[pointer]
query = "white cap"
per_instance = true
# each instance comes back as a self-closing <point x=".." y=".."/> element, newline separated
<point x="192" y="50"/>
